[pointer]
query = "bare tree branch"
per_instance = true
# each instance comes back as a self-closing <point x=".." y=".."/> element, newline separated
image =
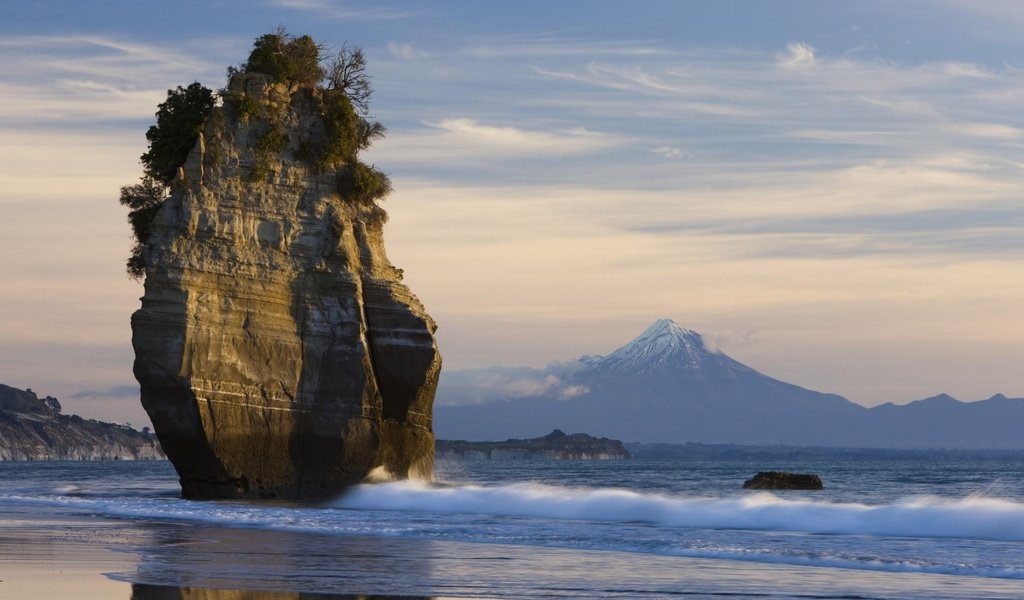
<point x="346" y="72"/>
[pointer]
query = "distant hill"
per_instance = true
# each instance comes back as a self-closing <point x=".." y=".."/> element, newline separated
<point x="556" y="445"/>
<point x="667" y="386"/>
<point x="34" y="429"/>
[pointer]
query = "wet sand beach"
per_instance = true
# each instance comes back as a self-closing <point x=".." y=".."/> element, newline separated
<point x="46" y="553"/>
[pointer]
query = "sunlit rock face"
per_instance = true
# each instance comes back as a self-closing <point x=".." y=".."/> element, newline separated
<point x="279" y="353"/>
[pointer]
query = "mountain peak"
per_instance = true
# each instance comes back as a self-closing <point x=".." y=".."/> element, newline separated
<point x="663" y="327"/>
<point x="664" y="345"/>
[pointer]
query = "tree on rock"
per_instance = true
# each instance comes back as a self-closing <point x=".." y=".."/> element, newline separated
<point x="178" y="122"/>
<point x="286" y="58"/>
<point x="339" y="85"/>
<point x="346" y="73"/>
<point x="143" y="200"/>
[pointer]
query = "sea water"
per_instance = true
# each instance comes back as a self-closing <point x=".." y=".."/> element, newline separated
<point x="884" y="527"/>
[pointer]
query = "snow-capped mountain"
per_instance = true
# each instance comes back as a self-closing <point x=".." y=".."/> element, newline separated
<point x="666" y="385"/>
<point x="662" y="347"/>
<point x="663" y="385"/>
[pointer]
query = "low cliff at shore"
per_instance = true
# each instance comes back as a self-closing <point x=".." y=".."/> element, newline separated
<point x="33" y="428"/>
<point x="555" y="445"/>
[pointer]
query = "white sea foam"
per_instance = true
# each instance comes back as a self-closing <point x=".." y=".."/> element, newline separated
<point x="971" y="517"/>
<point x="869" y="537"/>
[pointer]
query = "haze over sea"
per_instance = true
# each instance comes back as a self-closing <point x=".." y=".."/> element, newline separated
<point x="894" y="526"/>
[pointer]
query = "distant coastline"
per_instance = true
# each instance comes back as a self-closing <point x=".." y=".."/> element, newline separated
<point x="557" y="445"/>
<point x="700" y="451"/>
<point x="33" y="428"/>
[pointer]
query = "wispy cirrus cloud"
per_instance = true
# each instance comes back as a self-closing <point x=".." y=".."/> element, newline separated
<point x="406" y="51"/>
<point x="671" y="152"/>
<point x="472" y="140"/>
<point x="344" y="10"/>
<point x="797" y="55"/>
<point x="89" y="79"/>
<point x="513" y="139"/>
<point x="542" y="46"/>
<point x="118" y="391"/>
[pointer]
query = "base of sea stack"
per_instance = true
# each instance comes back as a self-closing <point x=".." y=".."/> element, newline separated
<point x="302" y="468"/>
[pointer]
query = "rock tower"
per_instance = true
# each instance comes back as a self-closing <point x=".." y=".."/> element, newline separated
<point x="278" y="351"/>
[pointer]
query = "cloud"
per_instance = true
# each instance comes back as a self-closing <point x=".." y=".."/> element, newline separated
<point x="545" y="46"/>
<point x="718" y="341"/>
<point x="798" y="55"/>
<point x="476" y="386"/>
<point x="406" y="51"/>
<point x="965" y="69"/>
<point x="338" y="10"/>
<point x="460" y="141"/>
<point x="119" y="391"/>
<point x="90" y="79"/>
<point x="687" y="92"/>
<point x="671" y="152"/>
<point x="513" y="139"/>
<point x="998" y="131"/>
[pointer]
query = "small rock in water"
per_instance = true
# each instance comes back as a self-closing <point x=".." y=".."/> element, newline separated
<point x="780" y="480"/>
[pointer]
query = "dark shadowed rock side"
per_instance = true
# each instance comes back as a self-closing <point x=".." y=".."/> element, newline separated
<point x="33" y="428"/>
<point x="780" y="480"/>
<point x="278" y="352"/>
<point x="556" y="445"/>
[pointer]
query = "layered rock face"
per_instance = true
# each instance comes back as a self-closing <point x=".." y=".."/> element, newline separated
<point x="278" y="352"/>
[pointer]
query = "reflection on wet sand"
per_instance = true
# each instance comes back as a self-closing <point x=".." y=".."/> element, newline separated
<point x="141" y="591"/>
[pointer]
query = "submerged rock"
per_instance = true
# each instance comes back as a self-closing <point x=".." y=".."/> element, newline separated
<point x="279" y="353"/>
<point x="780" y="480"/>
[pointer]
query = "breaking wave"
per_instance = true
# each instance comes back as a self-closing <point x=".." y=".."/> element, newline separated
<point x="901" y="536"/>
<point x="973" y="517"/>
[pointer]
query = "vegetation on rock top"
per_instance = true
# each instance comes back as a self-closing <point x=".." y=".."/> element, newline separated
<point x="342" y="94"/>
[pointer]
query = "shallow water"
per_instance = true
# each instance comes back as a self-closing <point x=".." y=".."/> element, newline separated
<point x="882" y="528"/>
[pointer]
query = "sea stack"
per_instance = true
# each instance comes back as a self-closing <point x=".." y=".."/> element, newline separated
<point x="278" y="351"/>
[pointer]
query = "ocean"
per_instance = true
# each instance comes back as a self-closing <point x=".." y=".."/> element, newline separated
<point x="901" y="526"/>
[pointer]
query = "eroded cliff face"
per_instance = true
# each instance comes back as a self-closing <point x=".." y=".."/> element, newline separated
<point x="278" y="352"/>
<point x="33" y="428"/>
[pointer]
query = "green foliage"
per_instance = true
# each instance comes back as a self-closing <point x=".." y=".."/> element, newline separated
<point x="347" y="132"/>
<point x="244" y="106"/>
<point x="270" y="144"/>
<point x="286" y="58"/>
<point x="363" y="184"/>
<point x="143" y="200"/>
<point x="178" y="121"/>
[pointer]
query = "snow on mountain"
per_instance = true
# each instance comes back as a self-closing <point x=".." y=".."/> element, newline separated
<point x="667" y="386"/>
<point x="664" y="350"/>
<point x="662" y="345"/>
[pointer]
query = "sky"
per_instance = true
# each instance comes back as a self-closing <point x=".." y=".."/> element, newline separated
<point x="829" y="192"/>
